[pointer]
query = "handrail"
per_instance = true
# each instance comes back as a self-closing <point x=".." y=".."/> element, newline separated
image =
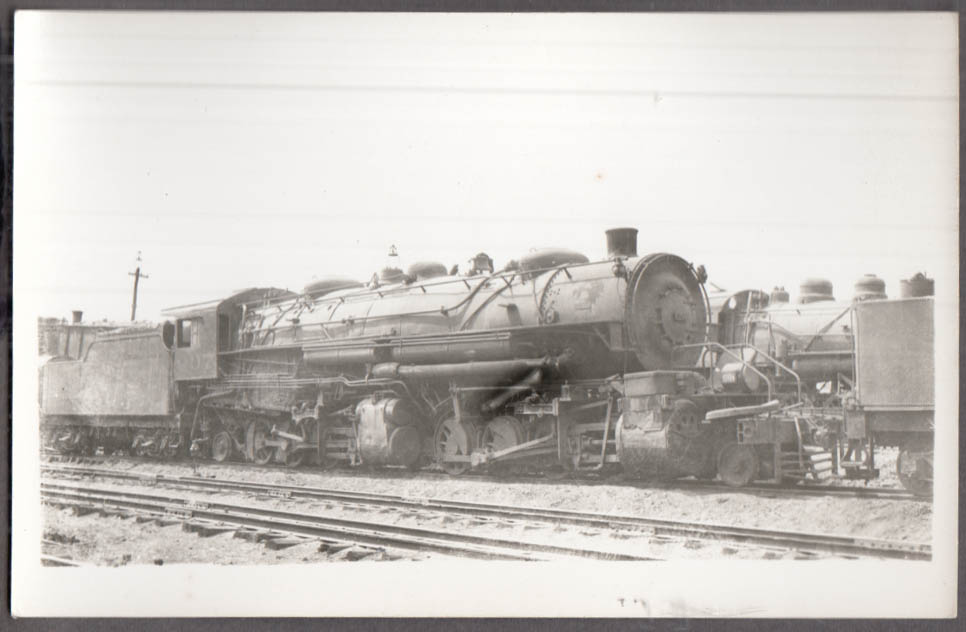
<point x="718" y="345"/>
<point x="798" y="380"/>
<point x="403" y="289"/>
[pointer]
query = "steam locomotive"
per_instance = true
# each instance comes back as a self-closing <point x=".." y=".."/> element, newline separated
<point x="553" y="360"/>
<point x="862" y="367"/>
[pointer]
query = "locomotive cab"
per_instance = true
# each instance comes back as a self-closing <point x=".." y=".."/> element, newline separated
<point x="201" y="332"/>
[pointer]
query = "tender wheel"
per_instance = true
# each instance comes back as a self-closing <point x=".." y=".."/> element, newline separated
<point x="258" y="452"/>
<point x="453" y="439"/>
<point x="221" y="447"/>
<point x="82" y="444"/>
<point x="737" y="464"/>
<point x="914" y="468"/>
<point x="171" y="446"/>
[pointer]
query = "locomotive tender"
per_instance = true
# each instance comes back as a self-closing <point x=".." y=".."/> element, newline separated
<point x="554" y="359"/>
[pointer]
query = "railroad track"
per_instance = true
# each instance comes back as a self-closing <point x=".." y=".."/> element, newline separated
<point x="807" y="544"/>
<point x="210" y="518"/>
<point x="763" y="490"/>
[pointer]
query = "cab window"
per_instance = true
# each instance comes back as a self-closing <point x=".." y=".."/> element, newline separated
<point x="188" y="332"/>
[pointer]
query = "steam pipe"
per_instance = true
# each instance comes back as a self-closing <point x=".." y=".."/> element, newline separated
<point x="493" y="368"/>
<point x="202" y="399"/>
<point x="526" y="384"/>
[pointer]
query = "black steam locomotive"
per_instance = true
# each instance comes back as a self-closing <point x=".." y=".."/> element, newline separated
<point x="553" y="360"/>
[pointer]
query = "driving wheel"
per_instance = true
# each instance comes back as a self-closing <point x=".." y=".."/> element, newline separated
<point x="255" y="438"/>
<point x="502" y="433"/>
<point x="453" y="438"/>
<point x="293" y="457"/>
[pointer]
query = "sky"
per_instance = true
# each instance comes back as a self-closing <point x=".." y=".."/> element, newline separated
<point x="239" y="150"/>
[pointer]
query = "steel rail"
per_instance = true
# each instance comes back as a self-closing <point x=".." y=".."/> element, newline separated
<point x="53" y="560"/>
<point x="866" y="493"/>
<point x="767" y="490"/>
<point x="821" y="543"/>
<point x="342" y="529"/>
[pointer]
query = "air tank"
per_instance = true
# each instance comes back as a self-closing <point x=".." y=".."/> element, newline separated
<point x="918" y="285"/>
<point x="869" y="287"/>
<point x="815" y="290"/>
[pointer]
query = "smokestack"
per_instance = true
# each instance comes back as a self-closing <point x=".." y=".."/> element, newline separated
<point x="621" y="242"/>
<point x="77" y="316"/>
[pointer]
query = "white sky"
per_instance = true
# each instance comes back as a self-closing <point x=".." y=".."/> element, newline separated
<point x="236" y="150"/>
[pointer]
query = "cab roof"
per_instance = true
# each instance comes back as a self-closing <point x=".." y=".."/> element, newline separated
<point x="248" y="296"/>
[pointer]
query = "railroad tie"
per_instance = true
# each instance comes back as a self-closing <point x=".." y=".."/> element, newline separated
<point x="207" y="529"/>
<point x="285" y="542"/>
<point x="249" y="534"/>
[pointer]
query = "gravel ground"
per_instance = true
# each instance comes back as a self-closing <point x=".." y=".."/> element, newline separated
<point x="115" y="541"/>
<point x="110" y="541"/>
<point x="880" y="518"/>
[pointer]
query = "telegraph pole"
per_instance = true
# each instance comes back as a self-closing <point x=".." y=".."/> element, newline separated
<point x="138" y="275"/>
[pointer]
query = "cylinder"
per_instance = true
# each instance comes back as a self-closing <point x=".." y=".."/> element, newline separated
<point x="778" y="295"/>
<point x="814" y="290"/>
<point x="77" y="315"/>
<point x="869" y="287"/>
<point x="621" y="242"/>
<point x="405" y="445"/>
<point x="918" y="285"/>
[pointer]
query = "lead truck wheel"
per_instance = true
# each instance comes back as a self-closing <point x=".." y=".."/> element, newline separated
<point x="221" y="446"/>
<point x="737" y="464"/>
